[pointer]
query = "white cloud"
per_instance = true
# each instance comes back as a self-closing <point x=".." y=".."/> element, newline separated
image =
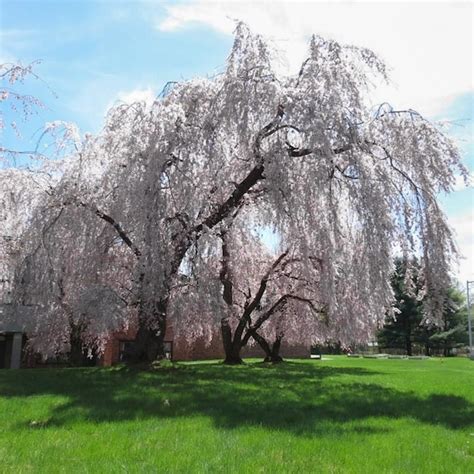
<point x="137" y="95"/>
<point x="427" y="45"/>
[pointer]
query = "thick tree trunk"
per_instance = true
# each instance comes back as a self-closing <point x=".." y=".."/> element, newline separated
<point x="231" y="349"/>
<point x="232" y="346"/>
<point x="232" y="343"/>
<point x="233" y="357"/>
<point x="275" y="356"/>
<point x="77" y="357"/>
<point x="272" y="354"/>
<point x="149" y="341"/>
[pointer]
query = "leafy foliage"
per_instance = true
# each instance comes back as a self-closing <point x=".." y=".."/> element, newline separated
<point x="303" y="155"/>
<point x="407" y="329"/>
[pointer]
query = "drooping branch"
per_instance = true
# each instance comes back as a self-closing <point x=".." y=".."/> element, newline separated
<point x="263" y="283"/>
<point x="242" y="188"/>
<point x="116" y="225"/>
<point x="299" y="152"/>
<point x="402" y="173"/>
<point x="225" y="272"/>
<point x="277" y="306"/>
<point x="235" y="199"/>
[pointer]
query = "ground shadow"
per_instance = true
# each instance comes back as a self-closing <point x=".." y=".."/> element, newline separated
<point x="293" y="396"/>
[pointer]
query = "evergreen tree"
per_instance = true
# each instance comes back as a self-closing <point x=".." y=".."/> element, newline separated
<point x="400" y="332"/>
<point x="453" y="331"/>
<point x="408" y="328"/>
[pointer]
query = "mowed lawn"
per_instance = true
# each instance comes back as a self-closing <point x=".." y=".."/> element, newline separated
<point x="336" y="415"/>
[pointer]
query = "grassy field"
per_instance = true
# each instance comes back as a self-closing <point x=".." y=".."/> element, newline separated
<point x="338" y="415"/>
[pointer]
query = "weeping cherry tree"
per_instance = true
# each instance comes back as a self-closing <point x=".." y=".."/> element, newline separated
<point x="343" y="182"/>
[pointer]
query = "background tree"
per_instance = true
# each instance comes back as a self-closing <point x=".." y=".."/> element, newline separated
<point x="402" y="330"/>
<point x="57" y="138"/>
<point x="452" y="333"/>
<point x="11" y="98"/>
<point x="21" y="193"/>
<point x="266" y="295"/>
<point x="407" y="328"/>
<point x="71" y="280"/>
<point x="27" y="180"/>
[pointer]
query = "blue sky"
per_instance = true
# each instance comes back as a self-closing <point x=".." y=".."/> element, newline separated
<point x="94" y="53"/>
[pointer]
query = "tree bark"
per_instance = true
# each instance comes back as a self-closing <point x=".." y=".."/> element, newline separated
<point x="275" y="356"/>
<point x="272" y="354"/>
<point x="231" y="349"/>
<point x="262" y="342"/>
<point x="233" y="357"/>
<point x="76" y="352"/>
<point x="148" y="345"/>
<point x="408" y="346"/>
<point x="232" y="346"/>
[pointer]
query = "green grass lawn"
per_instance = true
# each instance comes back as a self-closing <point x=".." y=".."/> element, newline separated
<point x="337" y="415"/>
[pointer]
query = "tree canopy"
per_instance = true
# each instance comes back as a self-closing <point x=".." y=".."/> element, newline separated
<point x="339" y="182"/>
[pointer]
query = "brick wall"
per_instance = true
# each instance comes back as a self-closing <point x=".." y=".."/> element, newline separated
<point x="298" y="351"/>
<point x="198" y="350"/>
<point x="112" y="349"/>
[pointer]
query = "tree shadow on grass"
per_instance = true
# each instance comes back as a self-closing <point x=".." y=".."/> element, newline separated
<point x="304" y="399"/>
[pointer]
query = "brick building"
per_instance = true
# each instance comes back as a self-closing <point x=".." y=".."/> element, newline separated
<point x="178" y="348"/>
<point x="13" y="339"/>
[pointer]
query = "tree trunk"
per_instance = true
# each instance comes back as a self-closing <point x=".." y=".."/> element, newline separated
<point x="232" y="354"/>
<point x="231" y="348"/>
<point x="149" y="340"/>
<point x="262" y="342"/>
<point x="408" y="344"/>
<point x="76" y="352"/>
<point x="233" y="358"/>
<point x="272" y="354"/>
<point x="276" y="357"/>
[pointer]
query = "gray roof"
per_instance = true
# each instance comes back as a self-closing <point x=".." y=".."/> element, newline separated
<point x="15" y="319"/>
